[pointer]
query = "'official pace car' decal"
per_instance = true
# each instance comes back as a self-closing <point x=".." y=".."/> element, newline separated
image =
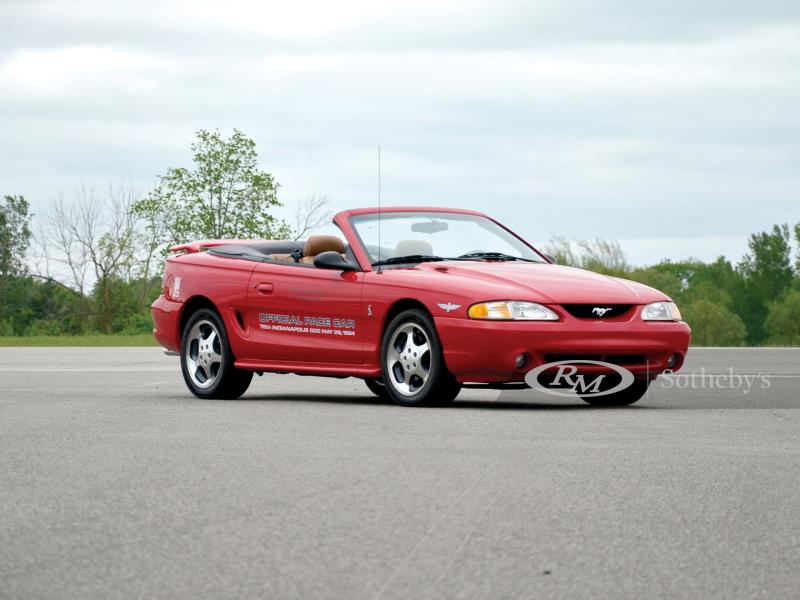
<point x="313" y="325"/>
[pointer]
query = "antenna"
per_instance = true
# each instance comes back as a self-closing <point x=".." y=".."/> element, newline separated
<point x="380" y="257"/>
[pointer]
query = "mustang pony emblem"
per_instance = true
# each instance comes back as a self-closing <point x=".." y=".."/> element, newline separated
<point x="600" y="311"/>
<point x="448" y="307"/>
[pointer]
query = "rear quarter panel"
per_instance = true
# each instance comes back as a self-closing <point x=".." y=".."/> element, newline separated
<point x="222" y="281"/>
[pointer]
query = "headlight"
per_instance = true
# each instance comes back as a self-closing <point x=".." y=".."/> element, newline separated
<point x="661" y="311"/>
<point x="511" y="311"/>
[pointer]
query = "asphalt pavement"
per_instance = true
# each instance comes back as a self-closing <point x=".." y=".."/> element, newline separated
<point x="116" y="483"/>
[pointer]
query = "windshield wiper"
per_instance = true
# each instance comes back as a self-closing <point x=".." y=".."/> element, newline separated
<point x="411" y="258"/>
<point x="494" y="256"/>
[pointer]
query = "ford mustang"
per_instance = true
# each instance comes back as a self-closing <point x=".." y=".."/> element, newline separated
<point x="418" y="302"/>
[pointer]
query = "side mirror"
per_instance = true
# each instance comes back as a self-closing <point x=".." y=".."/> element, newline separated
<point x="550" y="257"/>
<point x="333" y="260"/>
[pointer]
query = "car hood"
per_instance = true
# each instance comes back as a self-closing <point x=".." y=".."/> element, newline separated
<point x="540" y="282"/>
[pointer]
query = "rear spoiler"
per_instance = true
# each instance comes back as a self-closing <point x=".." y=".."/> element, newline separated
<point x="200" y="245"/>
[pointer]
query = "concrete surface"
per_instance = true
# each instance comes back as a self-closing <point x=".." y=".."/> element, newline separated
<point x="116" y="483"/>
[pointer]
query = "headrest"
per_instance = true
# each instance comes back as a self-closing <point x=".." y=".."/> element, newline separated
<point x="317" y="244"/>
<point x="409" y="247"/>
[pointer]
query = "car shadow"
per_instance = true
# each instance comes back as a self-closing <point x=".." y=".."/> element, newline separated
<point x="649" y="402"/>
<point x="457" y="405"/>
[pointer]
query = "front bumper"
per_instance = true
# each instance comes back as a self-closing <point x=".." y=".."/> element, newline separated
<point x="485" y="351"/>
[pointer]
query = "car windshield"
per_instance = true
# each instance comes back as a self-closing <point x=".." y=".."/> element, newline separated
<point x="423" y="236"/>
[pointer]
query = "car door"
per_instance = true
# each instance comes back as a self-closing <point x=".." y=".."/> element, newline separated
<point x="301" y="313"/>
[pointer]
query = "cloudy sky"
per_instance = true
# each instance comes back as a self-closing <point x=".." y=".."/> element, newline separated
<point x="673" y="127"/>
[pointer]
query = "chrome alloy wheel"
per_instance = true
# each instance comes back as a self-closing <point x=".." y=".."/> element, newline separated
<point x="408" y="360"/>
<point x="203" y="354"/>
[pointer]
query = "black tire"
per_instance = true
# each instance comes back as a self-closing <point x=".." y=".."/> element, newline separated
<point x="622" y="398"/>
<point x="204" y="375"/>
<point x="435" y="386"/>
<point x="377" y="387"/>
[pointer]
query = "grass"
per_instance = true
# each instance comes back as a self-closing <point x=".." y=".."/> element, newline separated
<point x="144" y="339"/>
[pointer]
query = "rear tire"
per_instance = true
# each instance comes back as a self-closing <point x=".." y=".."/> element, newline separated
<point x="622" y="398"/>
<point x="413" y="366"/>
<point x="207" y="360"/>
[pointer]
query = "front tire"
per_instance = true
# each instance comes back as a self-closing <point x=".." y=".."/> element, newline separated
<point x="377" y="387"/>
<point x="207" y="360"/>
<point x="622" y="398"/>
<point x="413" y="366"/>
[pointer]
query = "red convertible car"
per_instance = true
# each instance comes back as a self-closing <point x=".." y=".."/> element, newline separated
<point x="418" y="302"/>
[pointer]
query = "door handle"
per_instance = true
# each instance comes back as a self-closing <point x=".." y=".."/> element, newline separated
<point x="265" y="288"/>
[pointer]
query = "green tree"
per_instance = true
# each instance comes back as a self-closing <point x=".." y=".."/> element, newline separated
<point x="664" y="277"/>
<point x="718" y="282"/>
<point x="15" y="235"/>
<point x="93" y="233"/>
<point x="767" y="271"/>
<point x="713" y="325"/>
<point x="797" y="239"/>
<point x="43" y="307"/>
<point x="53" y="309"/>
<point x="783" y="320"/>
<point x="225" y="195"/>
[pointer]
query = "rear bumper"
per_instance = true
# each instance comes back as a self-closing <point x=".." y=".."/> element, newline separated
<point x="166" y="321"/>
<point x="480" y="351"/>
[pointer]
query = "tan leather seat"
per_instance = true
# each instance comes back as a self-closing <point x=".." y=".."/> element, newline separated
<point x="317" y="244"/>
<point x="411" y="247"/>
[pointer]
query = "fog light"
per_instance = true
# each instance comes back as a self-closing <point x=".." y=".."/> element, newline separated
<point x="672" y="360"/>
<point x="520" y="361"/>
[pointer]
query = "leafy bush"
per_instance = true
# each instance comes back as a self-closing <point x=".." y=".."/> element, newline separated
<point x="6" y="328"/>
<point x="136" y="324"/>
<point x="42" y="327"/>
<point x="714" y="325"/>
<point x="783" y="320"/>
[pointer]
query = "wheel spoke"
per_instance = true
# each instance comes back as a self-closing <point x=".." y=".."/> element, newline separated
<point x="420" y="372"/>
<point x="214" y="357"/>
<point x="203" y="357"/>
<point x="420" y="350"/>
<point x="407" y="357"/>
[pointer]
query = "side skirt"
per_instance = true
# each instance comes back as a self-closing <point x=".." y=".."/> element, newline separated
<point x="317" y="369"/>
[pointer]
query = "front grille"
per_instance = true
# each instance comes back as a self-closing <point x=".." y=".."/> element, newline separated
<point x="627" y="359"/>
<point x="597" y="311"/>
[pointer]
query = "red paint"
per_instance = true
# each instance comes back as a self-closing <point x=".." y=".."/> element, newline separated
<point x="476" y="351"/>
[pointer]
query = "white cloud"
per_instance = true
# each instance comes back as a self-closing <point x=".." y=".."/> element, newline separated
<point x="601" y="119"/>
<point x="72" y="68"/>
